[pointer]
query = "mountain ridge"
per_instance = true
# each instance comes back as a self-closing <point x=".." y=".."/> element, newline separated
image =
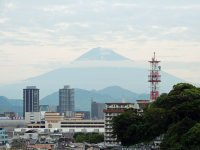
<point x="82" y="99"/>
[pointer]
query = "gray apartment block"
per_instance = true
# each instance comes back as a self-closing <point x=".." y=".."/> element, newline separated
<point x="97" y="110"/>
<point x="66" y="101"/>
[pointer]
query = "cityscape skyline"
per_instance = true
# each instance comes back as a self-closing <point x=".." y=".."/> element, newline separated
<point x="134" y="67"/>
<point x="58" y="34"/>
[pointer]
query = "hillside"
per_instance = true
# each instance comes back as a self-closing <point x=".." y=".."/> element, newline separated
<point x="11" y="105"/>
<point x="83" y="97"/>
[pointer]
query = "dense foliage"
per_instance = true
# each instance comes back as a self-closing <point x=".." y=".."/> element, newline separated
<point x="89" y="137"/>
<point x="175" y="116"/>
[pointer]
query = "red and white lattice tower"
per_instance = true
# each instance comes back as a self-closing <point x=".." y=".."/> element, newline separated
<point x="154" y="78"/>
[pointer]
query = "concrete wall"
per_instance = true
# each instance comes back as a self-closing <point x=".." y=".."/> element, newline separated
<point x="32" y="117"/>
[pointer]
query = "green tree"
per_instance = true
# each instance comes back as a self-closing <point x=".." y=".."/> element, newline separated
<point x="173" y="136"/>
<point x="191" y="139"/>
<point x="96" y="138"/>
<point x="124" y="128"/>
<point x="173" y="115"/>
<point x="89" y="137"/>
<point x="81" y="138"/>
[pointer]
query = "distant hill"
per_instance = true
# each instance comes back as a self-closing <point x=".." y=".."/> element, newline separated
<point x="14" y="105"/>
<point x="118" y="92"/>
<point x="83" y="97"/>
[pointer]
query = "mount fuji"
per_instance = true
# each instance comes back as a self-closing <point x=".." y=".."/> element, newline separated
<point x="96" y="69"/>
<point x="101" y="54"/>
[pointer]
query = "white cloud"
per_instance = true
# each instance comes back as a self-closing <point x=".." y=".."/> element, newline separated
<point x="184" y="7"/>
<point x="124" y="5"/>
<point x="131" y="28"/>
<point x="63" y="25"/>
<point x="84" y="25"/>
<point x="3" y="20"/>
<point x="9" y="5"/>
<point x="155" y="27"/>
<point x="59" y="9"/>
<point x="144" y="37"/>
<point x="174" y="30"/>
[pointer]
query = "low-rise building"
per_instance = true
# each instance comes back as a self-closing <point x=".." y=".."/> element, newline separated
<point x="86" y="114"/>
<point x="10" y="114"/>
<point x="82" y="126"/>
<point x="36" y="125"/>
<point x="31" y="134"/>
<point x="53" y="120"/>
<point x="142" y="104"/>
<point x="3" y="137"/>
<point x="78" y="116"/>
<point x="32" y="117"/>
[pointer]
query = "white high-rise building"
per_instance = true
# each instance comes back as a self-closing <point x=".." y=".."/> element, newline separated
<point x="113" y="109"/>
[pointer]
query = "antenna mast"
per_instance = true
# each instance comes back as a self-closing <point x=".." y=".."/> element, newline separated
<point x="154" y="78"/>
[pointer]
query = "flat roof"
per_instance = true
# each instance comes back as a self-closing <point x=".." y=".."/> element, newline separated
<point x="113" y="110"/>
<point x="12" y="123"/>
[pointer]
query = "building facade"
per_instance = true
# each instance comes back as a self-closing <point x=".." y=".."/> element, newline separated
<point x="30" y="99"/>
<point x="113" y="109"/>
<point x="66" y="101"/>
<point x="97" y="110"/>
<point x="3" y="137"/>
<point x="86" y="114"/>
<point x="32" y="117"/>
<point x="142" y="104"/>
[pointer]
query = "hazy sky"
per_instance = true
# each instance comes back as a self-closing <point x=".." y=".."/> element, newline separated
<point x="37" y="36"/>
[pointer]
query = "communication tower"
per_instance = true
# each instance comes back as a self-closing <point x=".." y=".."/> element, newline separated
<point x="154" y="78"/>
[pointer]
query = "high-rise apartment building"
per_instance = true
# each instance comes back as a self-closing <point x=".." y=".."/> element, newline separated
<point x="66" y="101"/>
<point x="97" y="110"/>
<point x="30" y="99"/>
<point x="31" y="104"/>
<point x="113" y="109"/>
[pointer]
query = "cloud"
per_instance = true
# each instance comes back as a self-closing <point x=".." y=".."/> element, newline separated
<point x="58" y="9"/>
<point x="84" y="25"/>
<point x="62" y="25"/>
<point x="134" y="28"/>
<point x="124" y="5"/>
<point x="3" y="20"/>
<point x="174" y="30"/>
<point x="184" y="7"/>
<point x="65" y="25"/>
<point x="24" y="36"/>
<point x="155" y="27"/>
<point x="144" y="37"/>
<point x="9" y="5"/>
